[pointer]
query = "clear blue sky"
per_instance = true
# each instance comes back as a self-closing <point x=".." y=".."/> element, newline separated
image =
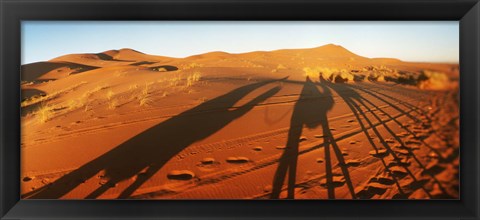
<point x="435" y="41"/>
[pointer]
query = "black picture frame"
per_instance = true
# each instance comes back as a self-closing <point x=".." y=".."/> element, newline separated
<point x="14" y="11"/>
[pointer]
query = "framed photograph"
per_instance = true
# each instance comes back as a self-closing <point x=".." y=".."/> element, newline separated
<point x="239" y="109"/>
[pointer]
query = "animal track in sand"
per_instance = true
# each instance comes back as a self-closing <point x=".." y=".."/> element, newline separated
<point x="303" y="138"/>
<point x="398" y="172"/>
<point x="403" y="162"/>
<point x="180" y="175"/>
<point x="389" y="140"/>
<point x="320" y="160"/>
<point x="258" y="148"/>
<point x="352" y="162"/>
<point x="28" y="178"/>
<point x="382" y="180"/>
<point x="398" y="146"/>
<point x="433" y="155"/>
<point x="433" y="168"/>
<point x="237" y="159"/>
<point x="379" y="153"/>
<point x="208" y="160"/>
<point x="402" y="134"/>
<point x="402" y="151"/>
<point x="376" y="186"/>
<point x="336" y="181"/>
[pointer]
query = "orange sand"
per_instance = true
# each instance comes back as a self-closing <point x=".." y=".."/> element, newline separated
<point x="123" y="124"/>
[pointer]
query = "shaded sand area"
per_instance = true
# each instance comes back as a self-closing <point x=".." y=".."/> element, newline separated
<point x="319" y="123"/>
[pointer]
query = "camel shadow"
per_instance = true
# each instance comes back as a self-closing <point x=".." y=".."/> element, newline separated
<point x="154" y="147"/>
<point x="360" y="106"/>
<point x="310" y="111"/>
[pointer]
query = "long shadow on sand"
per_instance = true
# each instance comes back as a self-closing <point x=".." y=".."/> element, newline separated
<point x="151" y="149"/>
<point x="311" y="111"/>
<point x="359" y="106"/>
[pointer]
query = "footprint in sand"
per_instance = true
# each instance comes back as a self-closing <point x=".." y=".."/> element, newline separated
<point x="411" y="141"/>
<point x="402" y="134"/>
<point x="180" y="175"/>
<point x="303" y="138"/>
<point x="353" y="142"/>
<point x="208" y="160"/>
<point x="433" y="168"/>
<point x="400" y="146"/>
<point x="267" y="188"/>
<point x="237" y="159"/>
<point x="377" y="186"/>
<point x="28" y="178"/>
<point x="350" y="120"/>
<point x="258" y="148"/>
<point x="319" y="136"/>
<point x="382" y="180"/>
<point x="421" y="136"/>
<point x="336" y="181"/>
<point x="403" y="151"/>
<point x="379" y="153"/>
<point x="320" y="160"/>
<point x="433" y="155"/>
<point x="414" y="147"/>
<point x="370" y="190"/>
<point x="281" y="147"/>
<point x="389" y="140"/>
<point x="352" y="162"/>
<point x="402" y="163"/>
<point x="398" y="172"/>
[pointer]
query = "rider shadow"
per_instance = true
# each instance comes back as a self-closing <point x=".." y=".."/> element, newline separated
<point x="152" y="148"/>
<point x="310" y="111"/>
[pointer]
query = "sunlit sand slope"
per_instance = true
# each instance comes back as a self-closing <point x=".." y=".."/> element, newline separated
<point x="317" y="123"/>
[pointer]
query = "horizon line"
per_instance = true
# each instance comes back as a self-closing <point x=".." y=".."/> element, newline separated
<point x="244" y="52"/>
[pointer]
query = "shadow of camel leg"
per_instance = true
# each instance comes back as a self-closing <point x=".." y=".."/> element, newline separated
<point x="139" y="181"/>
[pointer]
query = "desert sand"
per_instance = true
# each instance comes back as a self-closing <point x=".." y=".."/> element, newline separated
<point x="318" y="123"/>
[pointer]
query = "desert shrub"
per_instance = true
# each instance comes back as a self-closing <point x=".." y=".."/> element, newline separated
<point x="133" y="87"/>
<point x="174" y="81"/>
<point x="433" y="80"/>
<point x="191" y="66"/>
<point x="312" y="72"/>
<point x="49" y="96"/>
<point x="45" y="112"/>
<point x="112" y="104"/>
<point x="143" y="96"/>
<point x="110" y="94"/>
<point x="193" y="78"/>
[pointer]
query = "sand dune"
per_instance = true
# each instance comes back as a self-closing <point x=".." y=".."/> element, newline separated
<point x="318" y="123"/>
